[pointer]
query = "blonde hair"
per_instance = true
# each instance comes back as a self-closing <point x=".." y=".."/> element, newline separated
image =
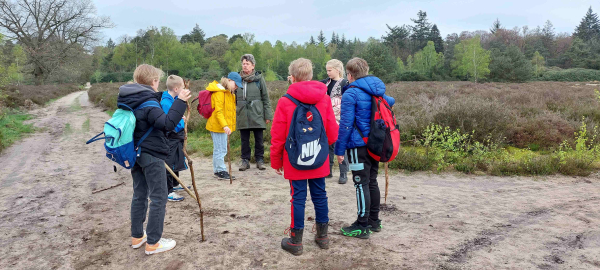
<point x="145" y="74"/>
<point x="174" y="81"/>
<point x="337" y="64"/>
<point x="225" y="83"/>
<point x="357" y="67"/>
<point x="301" y="69"/>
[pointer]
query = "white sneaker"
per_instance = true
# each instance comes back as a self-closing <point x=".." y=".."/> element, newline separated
<point x="163" y="245"/>
<point x="174" y="197"/>
<point x="138" y="242"/>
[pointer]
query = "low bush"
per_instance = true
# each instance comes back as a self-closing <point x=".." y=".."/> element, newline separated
<point x="16" y="96"/>
<point x="571" y="75"/>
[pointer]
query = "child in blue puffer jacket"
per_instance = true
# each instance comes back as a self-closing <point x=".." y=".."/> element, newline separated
<point x="175" y="138"/>
<point x="356" y="114"/>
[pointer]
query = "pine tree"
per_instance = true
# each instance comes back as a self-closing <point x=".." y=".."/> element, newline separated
<point x="334" y="39"/>
<point x="312" y="41"/>
<point x="343" y="41"/>
<point x="421" y="31"/>
<point x="496" y="26"/>
<point x="195" y="36"/>
<point x="549" y="39"/>
<point x="436" y="37"/>
<point x="110" y="44"/>
<point x="321" y="38"/>
<point x="589" y="28"/>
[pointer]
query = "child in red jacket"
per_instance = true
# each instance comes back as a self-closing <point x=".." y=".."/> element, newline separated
<point x="314" y="93"/>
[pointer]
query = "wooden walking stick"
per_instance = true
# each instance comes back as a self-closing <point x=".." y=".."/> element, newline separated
<point x="387" y="182"/>
<point x="179" y="181"/>
<point x="186" y="84"/>
<point x="229" y="161"/>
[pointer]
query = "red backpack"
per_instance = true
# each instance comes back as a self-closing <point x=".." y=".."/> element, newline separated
<point x="383" y="142"/>
<point x="204" y="104"/>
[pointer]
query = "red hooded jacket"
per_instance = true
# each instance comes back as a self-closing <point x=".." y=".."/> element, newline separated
<point x="309" y="92"/>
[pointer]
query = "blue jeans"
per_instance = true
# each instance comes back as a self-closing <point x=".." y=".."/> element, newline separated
<point x="219" y="151"/>
<point x="318" y="196"/>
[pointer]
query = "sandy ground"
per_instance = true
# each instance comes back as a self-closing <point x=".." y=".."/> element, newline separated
<point x="51" y="219"/>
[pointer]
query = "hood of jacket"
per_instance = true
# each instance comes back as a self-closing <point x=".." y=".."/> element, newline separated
<point x="309" y="92"/>
<point x="370" y="84"/>
<point x="135" y="94"/>
<point x="216" y="87"/>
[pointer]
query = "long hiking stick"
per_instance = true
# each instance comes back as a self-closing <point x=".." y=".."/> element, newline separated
<point x="229" y="161"/>
<point x="191" y="162"/>
<point x="387" y="182"/>
<point x="179" y="181"/>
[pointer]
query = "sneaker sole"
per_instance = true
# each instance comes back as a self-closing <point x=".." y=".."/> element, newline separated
<point x="361" y="236"/>
<point x="175" y="200"/>
<point x="159" y="251"/>
<point x="140" y="244"/>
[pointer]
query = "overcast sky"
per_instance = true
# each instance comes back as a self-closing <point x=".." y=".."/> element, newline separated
<point x="297" y="20"/>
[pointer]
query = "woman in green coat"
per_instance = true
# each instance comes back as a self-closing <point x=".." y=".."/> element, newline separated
<point x="253" y="112"/>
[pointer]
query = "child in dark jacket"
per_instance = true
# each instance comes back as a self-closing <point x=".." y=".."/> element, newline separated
<point x="308" y="92"/>
<point x="176" y="158"/>
<point x="355" y="115"/>
<point x="149" y="174"/>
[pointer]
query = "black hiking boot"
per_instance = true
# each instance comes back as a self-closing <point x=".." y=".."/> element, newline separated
<point x="343" y="179"/>
<point x="321" y="237"/>
<point x="245" y="165"/>
<point x="224" y="175"/>
<point x="375" y="225"/>
<point x="330" y="172"/>
<point x="355" y="230"/>
<point x="260" y="164"/>
<point x="294" y="244"/>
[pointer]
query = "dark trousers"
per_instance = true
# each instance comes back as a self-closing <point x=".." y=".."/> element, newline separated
<point x="318" y="196"/>
<point x="149" y="177"/>
<point x="365" y="181"/>
<point x="171" y="182"/>
<point x="259" y="147"/>
<point x="333" y="160"/>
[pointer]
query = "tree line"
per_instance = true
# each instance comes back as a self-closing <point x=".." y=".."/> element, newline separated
<point x="405" y="53"/>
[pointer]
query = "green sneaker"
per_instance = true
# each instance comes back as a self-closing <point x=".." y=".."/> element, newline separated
<point x="355" y="230"/>
<point x="375" y="225"/>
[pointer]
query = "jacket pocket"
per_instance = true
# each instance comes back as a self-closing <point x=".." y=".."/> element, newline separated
<point x="256" y="113"/>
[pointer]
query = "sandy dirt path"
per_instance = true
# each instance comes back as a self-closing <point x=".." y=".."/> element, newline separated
<point x="51" y="220"/>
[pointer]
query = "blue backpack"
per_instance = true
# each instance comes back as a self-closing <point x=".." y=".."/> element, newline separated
<point x="118" y="132"/>
<point x="306" y="143"/>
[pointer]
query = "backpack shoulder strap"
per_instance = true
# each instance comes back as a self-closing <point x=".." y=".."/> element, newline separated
<point x="149" y="103"/>
<point x="292" y="99"/>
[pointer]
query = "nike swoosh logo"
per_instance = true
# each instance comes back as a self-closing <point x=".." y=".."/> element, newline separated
<point x="310" y="161"/>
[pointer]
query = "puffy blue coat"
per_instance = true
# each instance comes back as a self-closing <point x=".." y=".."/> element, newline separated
<point x="356" y="108"/>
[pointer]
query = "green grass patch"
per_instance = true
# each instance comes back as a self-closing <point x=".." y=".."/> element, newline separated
<point x="67" y="130"/>
<point x="12" y="127"/>
<point x="75" y="105"/>
<point x="85" y="127"/>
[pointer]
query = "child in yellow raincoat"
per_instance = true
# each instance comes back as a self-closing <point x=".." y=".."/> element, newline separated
<point x="222" y="121"/>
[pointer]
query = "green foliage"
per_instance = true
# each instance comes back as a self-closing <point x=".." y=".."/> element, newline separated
<point x="589" y="28"/>
<point x="538" y="62"/>
<point x="571" y="75"/>
<point x="12" y="127"/>
<point x="427" y="61"/>
<point x="582" y="54"/>
<point x="510" y="65"/>
<point x="471" y="60"/>
<point x="381" y="62"/>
